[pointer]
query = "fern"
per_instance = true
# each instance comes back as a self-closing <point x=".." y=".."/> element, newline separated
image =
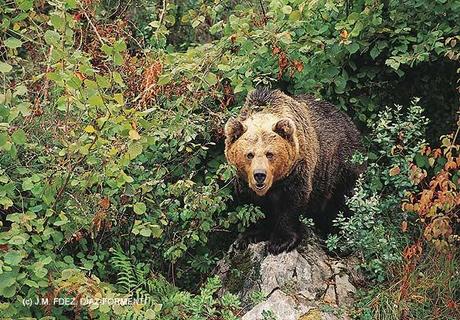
<point x="158" y="295"/>
<point x="127" y="275"/>
<point x="152" y="292"/>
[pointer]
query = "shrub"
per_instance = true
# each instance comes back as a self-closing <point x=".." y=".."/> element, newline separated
<point x="374" y="229"/>
<point x="424" y="285"/>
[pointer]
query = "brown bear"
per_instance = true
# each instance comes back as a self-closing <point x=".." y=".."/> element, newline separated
<point x="292" y="156"/>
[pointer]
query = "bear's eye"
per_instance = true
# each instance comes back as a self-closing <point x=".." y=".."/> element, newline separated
<point x="250" y="155"/>
<point x="269" y="155"/>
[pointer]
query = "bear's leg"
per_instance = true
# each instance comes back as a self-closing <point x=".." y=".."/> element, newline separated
<point x="334" y="204"/>
<point x="286" y="235"/>
<point x="255" y="233"/>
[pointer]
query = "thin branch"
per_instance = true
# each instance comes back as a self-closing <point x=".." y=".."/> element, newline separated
<point x="93" y="26"/>
<point x="162" y="14"/>
<point x="264" y="13"/>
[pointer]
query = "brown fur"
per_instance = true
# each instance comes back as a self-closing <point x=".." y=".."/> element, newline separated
<point x="303" y="147"/>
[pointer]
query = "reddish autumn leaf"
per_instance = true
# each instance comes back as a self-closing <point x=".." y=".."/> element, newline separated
<point x="451" y="304"/>
<point x="404" y="226"/>
<point x="298" y="65"/>
<point x="395" y="171"/>
<point x="104" y="203"/>
<point x="77" y="16"/>
<point x="80" y="75"/>
<point x="343" y="35"/>
<point x="450" y="165"/>
<point x="282" y="63"/>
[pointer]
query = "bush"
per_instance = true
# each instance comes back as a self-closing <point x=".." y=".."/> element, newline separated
<point x="375" y="227"/>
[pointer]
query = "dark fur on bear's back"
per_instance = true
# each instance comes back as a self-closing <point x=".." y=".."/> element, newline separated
<point x="335" y="176"/>
<point x="320" y="178"/>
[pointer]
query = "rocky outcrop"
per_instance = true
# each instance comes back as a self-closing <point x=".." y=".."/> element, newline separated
<point x="304" y="284"/>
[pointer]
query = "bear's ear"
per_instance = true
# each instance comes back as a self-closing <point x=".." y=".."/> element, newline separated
<point x="233" y="130"/>
<point x="285" y="128"/>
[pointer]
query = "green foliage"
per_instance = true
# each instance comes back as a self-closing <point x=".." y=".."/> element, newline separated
<point x="355" y="53"/>
<point x="164" y="301"/>
<point x="83" y="170"/>
<point x="375" y="227"/>
<point x="111" y="120"/>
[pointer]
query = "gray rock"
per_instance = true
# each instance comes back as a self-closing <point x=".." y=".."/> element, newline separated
<point x="304" y="284"/>
<point x="279" y="305"/>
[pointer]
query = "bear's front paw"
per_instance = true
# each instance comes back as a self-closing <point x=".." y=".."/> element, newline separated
<point x="245" y="239"/>
<point x="241" y="243"/>
<point x="277" y="246"/>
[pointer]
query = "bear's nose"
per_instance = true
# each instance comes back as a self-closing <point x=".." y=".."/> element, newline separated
<point x="259" y="176"/>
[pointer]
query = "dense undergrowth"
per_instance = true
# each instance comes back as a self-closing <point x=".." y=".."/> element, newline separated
<point x="112" y="176"/>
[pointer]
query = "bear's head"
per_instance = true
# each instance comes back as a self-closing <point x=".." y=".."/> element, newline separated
<point x="263" y="148"/>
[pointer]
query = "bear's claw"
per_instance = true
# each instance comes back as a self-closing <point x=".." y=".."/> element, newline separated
<point x="245" y="239"/>
<point x="277" y="246"/>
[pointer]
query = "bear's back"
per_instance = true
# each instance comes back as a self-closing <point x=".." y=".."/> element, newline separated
<point x="338" y="140"/>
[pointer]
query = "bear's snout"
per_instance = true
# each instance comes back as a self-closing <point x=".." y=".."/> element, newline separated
<point x="260" y="181"/>
<point x="260" y="175"/>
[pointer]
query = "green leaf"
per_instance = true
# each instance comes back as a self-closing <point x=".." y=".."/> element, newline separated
<point x="331" y="71"/>
<point x="74" y="82"/>
<point x="145" y="232"/>
<point x="117" y="78"/>
<point x="102" y="81"/>
<point x="118" y="59"/>
<point x="13" y="43"/>
<point x="3" y="138"/>
<point x="7" y="279"/>
<point x="211" y="78"/>
<point x="150" y="314"/>
<point x="357" y="29"/>
<point x="164" y="79"/>
<point x="19" y="137"/>
<point x="286" y="9"/>
<point x="67" y="273"/>
<point x="195" y="23"/>
<point x="8" y="292"/>
<point x="6" y="202"/>
<point x="353" y="47"/>
<point x="47" y="260"/>
<point x="421" y="161"/>
<point x="119" y="45"/>
<point x="295" y="16"/>
<point x="134" y="150"/>
<point x="13" y="258"/>
<point x="17" y="240"/>
<point x="96" y="100"/>
<point x="20" y="90"/>
<point x="5" y="67"/>
<point x="107" y="49"/>
<point x="31" y="283"/>
<point x="118" y="97"/>
<point x="156" y="230"/>
<point x="71" y="4"/>
<point x="340" y="83"/>
<point x="374" y="52"/>
<point x="52" y="37"/>
<point x="393" y="63"/>
<point x="57" y="22"/>
<point x="25" y="5"/>
<point x="27" y="184"/>
<point x="140" y="208"/>
<point x="62" y="220"/>
<point x="134" y="135"/>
